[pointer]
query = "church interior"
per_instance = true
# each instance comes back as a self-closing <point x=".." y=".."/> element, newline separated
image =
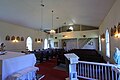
<point x="59" y="40"/>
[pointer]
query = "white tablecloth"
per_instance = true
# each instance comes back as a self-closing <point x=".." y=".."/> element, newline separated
<point x="28" y="73"/>
<point x="12" y="62"/>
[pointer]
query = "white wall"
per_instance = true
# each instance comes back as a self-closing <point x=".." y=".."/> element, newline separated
<point x="16" y="30"/>
<point x="71" y="44"/>
<point x="81" y="42"/>
<point x="110" y="20"/>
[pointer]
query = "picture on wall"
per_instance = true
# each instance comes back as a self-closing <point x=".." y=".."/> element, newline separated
<point x="55" y="44"/>
<point x="7" y="38"/>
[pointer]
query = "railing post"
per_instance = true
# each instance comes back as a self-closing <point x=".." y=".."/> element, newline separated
<point x="116" y="68"/>
<point x="73" y="59"/>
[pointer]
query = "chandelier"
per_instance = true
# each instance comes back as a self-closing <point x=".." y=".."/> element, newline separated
<point x="52" y="31"/>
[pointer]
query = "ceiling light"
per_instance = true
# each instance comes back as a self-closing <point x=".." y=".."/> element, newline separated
<point x="52" y="31"/>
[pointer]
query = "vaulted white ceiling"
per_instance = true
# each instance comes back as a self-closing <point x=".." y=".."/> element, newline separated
<point x="28" y="12"/>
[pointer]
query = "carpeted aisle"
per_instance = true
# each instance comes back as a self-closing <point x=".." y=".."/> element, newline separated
<point x="47" y="69"/>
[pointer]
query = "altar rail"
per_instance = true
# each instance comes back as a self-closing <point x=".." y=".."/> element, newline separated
<point x="91" y="70"/>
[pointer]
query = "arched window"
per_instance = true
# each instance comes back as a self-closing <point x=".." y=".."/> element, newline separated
<point x="107" y="43"/>
<point x="71" y="28"/>
<point x="100" y="45"/>
<point x="29" y="43"/>
<point x="45" y="44"/>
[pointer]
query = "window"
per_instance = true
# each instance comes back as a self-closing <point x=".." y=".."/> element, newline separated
<point x="107" y="43"/>
<point x="29" y="43"/>
<point x="45" y="44"/>
<point x="71" y="28"/>
<point x="100" y="43"/>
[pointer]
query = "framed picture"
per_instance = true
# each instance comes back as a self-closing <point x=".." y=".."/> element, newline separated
<point x="7" y="38"/>
<point x="18" y="38"/>
<point x="41" y="40"/>
<point x="64" y="44"/>
<point x="55" y="44"/>
<point x="22" y="38"/>
<point x="35" y="39"/>
<point x="13" y="38"/>
<point x="112" y="31"/>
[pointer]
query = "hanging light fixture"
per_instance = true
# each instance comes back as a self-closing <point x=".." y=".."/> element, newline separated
<point x="52" y="31"/>
<point x="42" y="5"/>
<point x="38" y="40"/>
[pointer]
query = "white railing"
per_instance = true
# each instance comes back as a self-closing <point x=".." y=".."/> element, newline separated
<point x="97" y="71"/>
<point x="91" y="70"/>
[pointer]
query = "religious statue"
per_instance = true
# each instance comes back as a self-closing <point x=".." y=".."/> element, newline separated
<point x="116" y="56"/>
<point x="2" y="46"/>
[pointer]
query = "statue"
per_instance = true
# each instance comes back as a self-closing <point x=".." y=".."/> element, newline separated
<point x="116" y="56"/>
<point x="2" y="46"/>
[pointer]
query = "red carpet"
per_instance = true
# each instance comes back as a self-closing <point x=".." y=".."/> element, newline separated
<point x="46" y="68"/>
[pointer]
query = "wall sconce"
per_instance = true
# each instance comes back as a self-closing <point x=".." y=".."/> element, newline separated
<point x="14" y="39"/>
<point x="38" y="40"/>
<point x="117" y="31"/>
<point x="65" y="36"/>
<point x="103" y="37"/>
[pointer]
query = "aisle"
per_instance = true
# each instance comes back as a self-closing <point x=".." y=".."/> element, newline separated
<point x="47" y="68"/>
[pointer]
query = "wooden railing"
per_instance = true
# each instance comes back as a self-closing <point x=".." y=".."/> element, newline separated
<point x="91" y="70"/>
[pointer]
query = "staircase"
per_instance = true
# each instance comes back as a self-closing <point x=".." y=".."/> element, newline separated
<point x="84" y="43"/>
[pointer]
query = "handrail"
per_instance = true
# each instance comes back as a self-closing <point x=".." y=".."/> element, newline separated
<point x="94" y="63"/>
<point x="84" y="42"/>
<point x="97" y="71"/>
